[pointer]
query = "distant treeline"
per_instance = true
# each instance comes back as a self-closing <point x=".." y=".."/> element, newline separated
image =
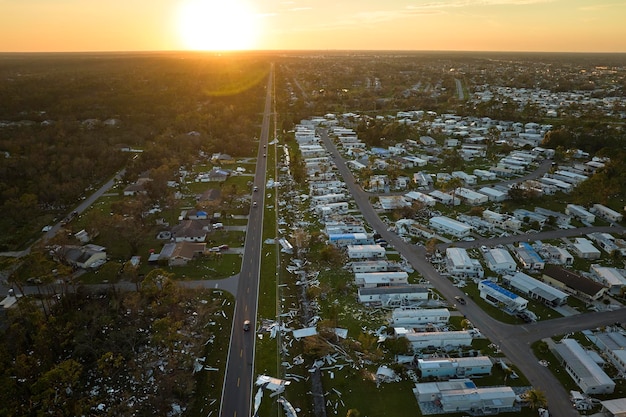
<point x="65" y="117"/>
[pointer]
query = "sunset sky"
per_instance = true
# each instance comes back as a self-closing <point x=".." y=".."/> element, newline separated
<point x="472" y="25"/>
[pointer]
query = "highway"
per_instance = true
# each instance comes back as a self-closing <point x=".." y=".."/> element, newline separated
<point x="514" y="340"/>
<point x="238" y="380"/>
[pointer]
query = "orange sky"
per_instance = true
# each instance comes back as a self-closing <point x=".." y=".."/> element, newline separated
<point x="137" y="25"/>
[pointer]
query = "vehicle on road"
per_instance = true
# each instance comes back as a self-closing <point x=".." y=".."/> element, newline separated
<point x="264" y="155"/>
<point x="256" y="188"/>
<point x="254" y="204"/>
<point x="246" y="325"/>
<point x="460" y="300"/>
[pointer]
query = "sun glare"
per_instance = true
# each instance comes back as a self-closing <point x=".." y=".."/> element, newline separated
<point x="210" y="25"/>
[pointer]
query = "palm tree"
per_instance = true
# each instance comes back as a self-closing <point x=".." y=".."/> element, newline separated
<point x="535" y="398"/>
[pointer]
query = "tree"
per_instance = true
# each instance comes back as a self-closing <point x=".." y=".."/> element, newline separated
<point x="55" y="388"/>
<point x="535" y="398"/>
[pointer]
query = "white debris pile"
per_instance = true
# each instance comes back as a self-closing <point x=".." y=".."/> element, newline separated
<point x="277" y="386"/>
<point x="386" y="375"/>
<point x="289" y="410"/>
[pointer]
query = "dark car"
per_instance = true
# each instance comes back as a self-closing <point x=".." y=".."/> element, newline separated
<point x="460" y="300"/>
<point x="246" y="325"/>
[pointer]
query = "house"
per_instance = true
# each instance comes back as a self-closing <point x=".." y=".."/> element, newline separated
<point x="535" y="289"/>
<point x="442" y="368"/>
<point x="588" y="375"/>
<point x="195" y="214"/>
<point x="392" y="202"/>
<point x="415" y="161"/>
<point x="493" y="194"/>
<point x="613" y="346"/>
<point x="380" y="279"/>
<point x="485" y="175"/>
<point x="528" y="216"/>
<point x="613" y="408"/>
<point x="585" y="249"/>
<point x="471" y="197"/>
<point x="501" y="220"/>
<point x="191" y="230"/>
<point x="397" y="295"/>
<point x="459" y="264"/>
<point x="498" y="296"/>
<point x="381" y="265"/>
<point x="344" y="239"/>
<point x="499" y="260"/>
<point x="443" y="198"/>
<point x="573" y="283"/>
<point x="612" y="278"/>
<point x="422" y="179"/>
<point x="468" y="179"/>
<point x="580" y="213"/>
<point x="366" y="252"/>
<point x="606" y="213"/>
<point x="608" y="243"/>
<point x="462" y="395"/>
<point x="427" y="141"/>
<point x="556" y="255"/>
<point x="215" y="175"/>
<point x="415" y="317"/>
<point x="330" y="209"/>
<point x="420" y="198"/>
<point x="421" y="340"/>
<point x="185" y="251"/>
<point x="528" y="257"/>
<point x="450" y="226"/>
<point x="87" y="256"/>
<point x="138" y="187"/>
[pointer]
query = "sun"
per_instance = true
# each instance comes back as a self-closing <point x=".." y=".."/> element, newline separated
<point x="213" y="25"/>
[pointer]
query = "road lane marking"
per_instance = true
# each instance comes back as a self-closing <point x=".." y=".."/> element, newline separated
<point x="238" y="381"/>
<point x="241" y="353"/>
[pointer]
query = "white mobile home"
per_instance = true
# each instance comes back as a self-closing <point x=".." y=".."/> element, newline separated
<point x="528" y="257"/>
<point x="414" y="317"/>
<point x="366" y="252"/>
<point x="580" y="213"/>
<point x="499" y="260"/>
<point x="450" y="226"/>
<point x="493" y="194"/>
<point x="454" y="367"/>
<point x="382" y="265"/>
<point x="396" y="295"/>
<point x="585" y="249"/>
<point x="462" y="395"/>
<point x="535" y="289"/>
<point x="606" y="213"/>
<point x="380" y="279"/>
<point x="496" y="295"/>
<point x="584" y="371"/>
<point x="421" y="340"/>
<point x="459" y="264"/>
<point x="471" y="197"/>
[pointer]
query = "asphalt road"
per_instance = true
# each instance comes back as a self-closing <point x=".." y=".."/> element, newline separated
<point x="238" y="381"/>
<point x="514" y="340"/>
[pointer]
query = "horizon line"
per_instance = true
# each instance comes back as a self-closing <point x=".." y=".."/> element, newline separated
<point x="243" y="51"/>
